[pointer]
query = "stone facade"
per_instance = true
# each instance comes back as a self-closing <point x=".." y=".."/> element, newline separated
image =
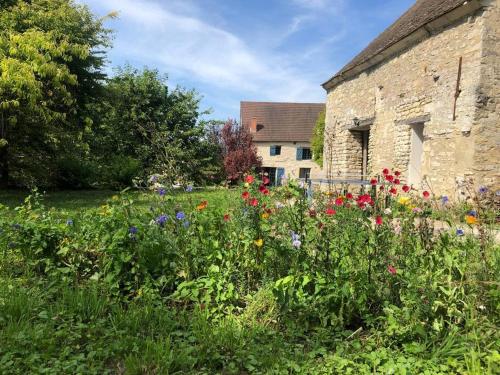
<point x="416" y="87"/>
<point x="287" y="159"/>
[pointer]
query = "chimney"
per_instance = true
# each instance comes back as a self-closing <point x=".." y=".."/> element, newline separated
<point x="253" y="125"/>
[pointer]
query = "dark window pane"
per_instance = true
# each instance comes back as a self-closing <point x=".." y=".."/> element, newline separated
<point x="305" y="173"/>
<point x="306" y="154"/>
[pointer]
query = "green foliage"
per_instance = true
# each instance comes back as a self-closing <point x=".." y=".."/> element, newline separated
<point x="318" y="139"/>
<point x="269" y="283"/>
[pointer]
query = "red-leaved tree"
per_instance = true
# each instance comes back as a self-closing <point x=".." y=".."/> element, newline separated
<point x="240" y="154"/>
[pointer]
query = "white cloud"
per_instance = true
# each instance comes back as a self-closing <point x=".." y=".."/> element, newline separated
<point x="322" y="5"/>
<point x="181" y="42"/>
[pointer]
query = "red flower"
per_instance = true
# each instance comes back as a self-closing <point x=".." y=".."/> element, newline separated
<point x="253" y="202"/>
<point x="373" y="181"/>
<point x="348" y="196"/>
<point x="406" y="188"/>
<point x="396" y="181"/>
<point x="385" y="171"/>
<point x="245" y="195"/>
<point x="391" y="270"/>
<point x="312" y="213"/>
<point x="262" y="188"/>
<point x="382" y="188"/>
<point x="227" y="217"/>
<point x="339" y="201"/>
<point x="426" y="194"/>
<point x="397" y="173"/>
<point x="265" y="192"/>
<point x="330" y="211"/>
<point x="266" y="180"/>
<point x="378" y="220"/>
<point x="249" y="179"/>
<point x="389" y="177"/>
<point x="393" y="191"/>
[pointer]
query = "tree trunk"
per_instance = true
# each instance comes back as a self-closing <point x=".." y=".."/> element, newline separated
<point x="4" y="167"/>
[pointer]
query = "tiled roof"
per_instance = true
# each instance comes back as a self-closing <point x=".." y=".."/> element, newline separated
<point x="281" y="122"/>
<point x="420" y="14"/>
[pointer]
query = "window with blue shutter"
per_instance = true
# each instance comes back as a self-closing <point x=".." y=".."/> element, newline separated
<point x="299" y="153"/>
<point x="275" y="150"/>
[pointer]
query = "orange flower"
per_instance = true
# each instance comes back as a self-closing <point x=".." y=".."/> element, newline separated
<point x="471" y="220"/>
<point x="202" y="205"/>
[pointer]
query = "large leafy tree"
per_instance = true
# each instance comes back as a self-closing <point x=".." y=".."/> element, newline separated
<point x="51" y="63"/>
<point x="318" y="138"/>
<point x="152" y="129"/>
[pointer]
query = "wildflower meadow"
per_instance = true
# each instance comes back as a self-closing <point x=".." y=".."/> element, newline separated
<point x="261" y="280"/>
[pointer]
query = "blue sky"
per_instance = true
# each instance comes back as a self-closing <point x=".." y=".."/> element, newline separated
<point x="232" y="50"/>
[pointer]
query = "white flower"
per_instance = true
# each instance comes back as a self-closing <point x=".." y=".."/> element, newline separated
<point x="387" y="211"/>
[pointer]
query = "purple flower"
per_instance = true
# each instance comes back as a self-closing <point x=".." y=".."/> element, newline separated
<point x="180" y="215"/>
<point x="69" y="222"/>
<point x="153" y="178"/>
<point x="472" y="213"/>
<point x="161" y="220"/>
<point x="483" y="189"/>
<point x="133" y="230"/>
<point x="295" y="239"/>
<point x="162" y="192"/>
<point x="444" y="199"/>
<point x="189" y="188"/>
<point x="460" y="232"/>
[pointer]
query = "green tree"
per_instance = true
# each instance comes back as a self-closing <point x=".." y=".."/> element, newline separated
<point x="51" y="59"/>
<point x="318" y="138"/>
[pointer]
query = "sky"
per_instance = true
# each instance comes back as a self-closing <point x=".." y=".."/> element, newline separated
<point x="233" y="50"/>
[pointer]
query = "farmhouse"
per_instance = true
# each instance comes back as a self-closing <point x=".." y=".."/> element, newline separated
<point x="423" y="98"/>
<point x="282" y="133"/>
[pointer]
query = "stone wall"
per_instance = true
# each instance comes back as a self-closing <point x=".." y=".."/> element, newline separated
<point x="419" y="84"/>
<point x="287" y="159"/>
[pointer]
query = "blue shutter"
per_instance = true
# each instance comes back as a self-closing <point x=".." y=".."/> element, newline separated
<point x="272" y="150"/>
<point x="299" y="153"/>
<point x="280" y="173"/>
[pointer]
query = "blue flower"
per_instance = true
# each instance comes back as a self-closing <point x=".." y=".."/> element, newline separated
<point x="295" y="239"/>
<point x="69" y="222"/>
<point x="472" y="213"/>
<point x="161" y="220"/>
<point x="444" y="199"/>
<point x="460" y="232"/>
<point x="483" y="189"/>
<point x="133" y="230"/>
<point x="189" y="188"/>
<point x="162" y="192"/>
<point x="180" y="215"/>
<point x="186" y="224"/>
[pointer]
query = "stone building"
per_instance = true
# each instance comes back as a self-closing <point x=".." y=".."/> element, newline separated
<point x="282" y="133"/>
<point x="423" y="98"/>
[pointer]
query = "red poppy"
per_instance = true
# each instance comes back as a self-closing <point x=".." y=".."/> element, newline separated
<point x="382" y="188"/>
<point x="406" y="188"/>
<point x="378" y="220"/>
<point x="227" y="217"/>
<point x="339" y="201"/>
<point x="385" y="171"/>
<point x="348" y="196"/>
<point x="249" y="179"/>
<point x="265" y="192"/>
<point x="330" y="211"/>
<point x="253" y="202"/>
<point x="373" y="181"/>
<point x="396" y="181"/>
<point x="262" y="188"/>
<point x="397" y="173"/>
<point x="391" y="270"/>
<point x="393" y="191"/>
<point x="266" y="180"/>
<point x="245" y="195"/>
<point x="389" y="177"/>
<point x="426" y="194"/>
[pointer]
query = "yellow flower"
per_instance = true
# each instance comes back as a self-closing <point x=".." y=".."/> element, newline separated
<point x="114" y="197"/>
<point x="265" y="215"/>
<point x="404" y="200"/>
<point x="469" y="219"/>
<point x="246" y="184"/>
<point x="259" y="242"/>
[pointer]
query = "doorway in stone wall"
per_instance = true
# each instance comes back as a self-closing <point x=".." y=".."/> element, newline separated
<point x="416" y="154"/>
<point x="365" y="142"/>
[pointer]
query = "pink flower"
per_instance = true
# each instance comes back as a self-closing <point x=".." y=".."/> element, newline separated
<point x="393" y="191"/>
<point x="385" y="171"/>
<point x="253" y="202"/>
<point x="406" y="188"/>
<point x="339" y="201"/>
<point x="330" y="211"/>
<point x="245" y="195"/>
<point x="389" y="177"/>
<point x="266" y="180"/>
<point x="227" y="217"/>
<point x="391" y="269"/>
<point x="378" y="220"/>
<point x="426" y="194"/>
<point x="373" y="181"/>
<point x="249" y="179"/>
<point x="348" y="196"/>
<point x="396" y="181"/>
